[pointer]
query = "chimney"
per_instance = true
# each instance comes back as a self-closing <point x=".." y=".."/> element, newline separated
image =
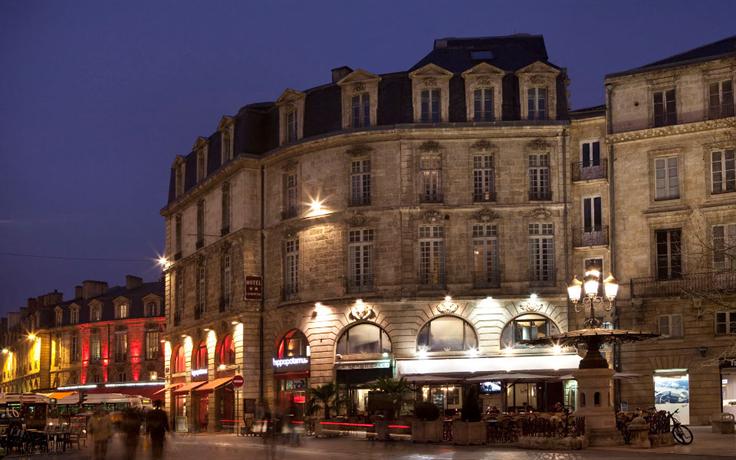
<point x="92" y="288"/>
<point x="32" y="302"/>
<point x="77" y="292"/>
<point x="132" y="282"/>
<point x="338" y="73"/>
<point x="52" y="298"/>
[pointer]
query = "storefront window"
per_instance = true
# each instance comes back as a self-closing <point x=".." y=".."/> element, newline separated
<point x="447" y="333"/>
<point x="179" y="364"/>
<point x="364" y="338"/>
<point x="199" y="360"/>
<point x="226" y="352"/>
<point x="527" y="327"/>
<point x="294" y="343"/>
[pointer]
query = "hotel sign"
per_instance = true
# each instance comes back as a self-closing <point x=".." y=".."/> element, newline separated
<point x="293" y="364"/>
<point x="253" y="288"/>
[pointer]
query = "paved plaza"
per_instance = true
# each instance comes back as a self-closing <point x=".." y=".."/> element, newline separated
<point x="225" y="447"/>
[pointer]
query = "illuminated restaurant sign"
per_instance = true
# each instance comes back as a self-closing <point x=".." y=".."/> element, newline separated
<point x="199" y="372"/>
<point x="353" y="365"/>
<point x="292" y="364"/>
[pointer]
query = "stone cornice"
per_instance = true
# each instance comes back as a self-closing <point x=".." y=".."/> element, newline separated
<point x="673" y="130"/>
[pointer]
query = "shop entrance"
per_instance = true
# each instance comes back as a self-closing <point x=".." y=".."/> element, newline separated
<point x="728" y="386"/>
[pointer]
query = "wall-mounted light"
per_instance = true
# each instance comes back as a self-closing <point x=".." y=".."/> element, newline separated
<point x="234" y="322"/>
<point x="533" y="297"/>
<point x="163" y="262"/>
<point x="316" y="207"/>
<point x="5" y="351"/>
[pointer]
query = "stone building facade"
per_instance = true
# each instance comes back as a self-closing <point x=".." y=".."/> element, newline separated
<point x="418" y="224"/>
<point x="105" y="339"/>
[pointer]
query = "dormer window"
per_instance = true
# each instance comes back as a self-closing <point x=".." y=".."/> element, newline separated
<point x="95" y="313"/>
<point x="537" y="103"/>
<point x="58" y="317"/>
<point x="201" y="165"/>
<point x="430" y="94"/>
<point x="291" y="110"/>
<point x="537" y="83"/>
<point x="121" y="310"/>
<point x="483" y="92"/>
<point x="361" y="110"/>
<point x="74" y="314"/>
<point x="179" y="176"/>
<point x="483" y="104"/>
<point x="226" y="139"/>
<point x="359" y="92"/>
<point x="151" y="309"/>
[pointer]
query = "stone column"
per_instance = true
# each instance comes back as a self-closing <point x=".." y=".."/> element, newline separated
<point x="595" y="403"/>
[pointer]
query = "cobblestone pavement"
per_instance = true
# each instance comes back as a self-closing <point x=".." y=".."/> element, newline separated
<point x="226" y="447"/>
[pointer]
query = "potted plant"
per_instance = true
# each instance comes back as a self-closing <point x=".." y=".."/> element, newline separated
<point x="427" y="426"/>
<point x="469" y="429"/>
<point x="323" y="395"/>
<point x="389" y="396"/>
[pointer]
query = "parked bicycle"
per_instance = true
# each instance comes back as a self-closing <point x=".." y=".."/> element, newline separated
<point x="680" y="432"/>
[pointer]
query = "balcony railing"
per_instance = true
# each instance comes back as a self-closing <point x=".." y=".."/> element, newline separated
<point x="484" y="197"/>
<point x="540" y="195"/>
<point x="586" y="171"/>
<point x="685" y="285"/>
<point x="590" y="236"/>
<point x="359" y="200"/>
<point x="432" y="280"/>
<point x="431" y="197"/>
<point x="363" y="283"/>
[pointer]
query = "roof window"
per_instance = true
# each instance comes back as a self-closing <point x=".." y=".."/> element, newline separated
<point x="481" y="55"/>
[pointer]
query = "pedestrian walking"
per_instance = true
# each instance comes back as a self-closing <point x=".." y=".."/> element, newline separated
<point x="131" y="427"/>
<point x="157" y="424"/>
<point x="100" y="428"/>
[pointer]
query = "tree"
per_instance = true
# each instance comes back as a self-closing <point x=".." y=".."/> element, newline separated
<point x="394" y="390"/>
<point x="324" y="395"/>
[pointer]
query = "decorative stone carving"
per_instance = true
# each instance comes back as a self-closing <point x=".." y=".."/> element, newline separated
<point x="432" y="217"/>
<point x="359" y="149"/>
<point x="538" y="79"/>
<point x="485" y="215"/>
<point x="538" y="144"/>
<point x="540" y="213"/>
<point x="430" y="82"/>
<point x="429" y="146"/>
<point x="359" y="87"/>
<point x="483" y="144"/>
<point x="484" y="81"/>
<point x="447" y="306"/>
<point x="357" y="219"/>
<point x="289" y="165"/>
<point x="361" y="310"/>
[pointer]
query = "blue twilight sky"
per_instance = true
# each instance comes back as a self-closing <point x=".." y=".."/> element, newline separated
<point x="97" y="97"/>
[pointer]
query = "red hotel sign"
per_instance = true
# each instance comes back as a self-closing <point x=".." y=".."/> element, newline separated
<point x="253" y="288"/>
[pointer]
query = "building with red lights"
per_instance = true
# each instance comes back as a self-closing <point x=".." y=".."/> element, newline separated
<point x="105" y="339"/>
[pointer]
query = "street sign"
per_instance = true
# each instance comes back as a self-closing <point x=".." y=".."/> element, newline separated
<point x="253" y="288"/>
<point x="238" y="381"/>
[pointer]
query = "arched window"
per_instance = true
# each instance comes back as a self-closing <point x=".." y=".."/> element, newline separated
<point x="363" y="338"/>
<point x="527" y="327"/>
<point x="294" y="343"/>
<point x="226" y="352"/>
<point x="199" y="356"/>
<point x="180" y="360"/>
<point x="447" y="333"/>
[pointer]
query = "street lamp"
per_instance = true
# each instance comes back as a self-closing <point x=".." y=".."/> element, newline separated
<point x="584" y="295"/>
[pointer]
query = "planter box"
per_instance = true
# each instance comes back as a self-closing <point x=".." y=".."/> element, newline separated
<point x="422" y="431"/>
<point x="468" y="433"/>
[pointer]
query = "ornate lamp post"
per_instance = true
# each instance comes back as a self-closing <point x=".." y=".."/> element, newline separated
<point x="584" y="295"/>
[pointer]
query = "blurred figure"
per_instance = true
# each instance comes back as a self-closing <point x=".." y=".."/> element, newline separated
<point x="131" y="427"/>
<point x="157" y="424"/>
<point x="100" y="427"/>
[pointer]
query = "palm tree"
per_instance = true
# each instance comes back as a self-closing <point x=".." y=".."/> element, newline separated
<point x="323" y="394"/>
<point x="394" y="389"/>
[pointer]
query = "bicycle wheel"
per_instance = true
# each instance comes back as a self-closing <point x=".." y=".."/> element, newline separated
<point x="682" y="434"/>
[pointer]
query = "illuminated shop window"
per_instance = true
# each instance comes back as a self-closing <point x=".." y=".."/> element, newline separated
<point x="363" y="338"/>
<point x="447" y="333"/>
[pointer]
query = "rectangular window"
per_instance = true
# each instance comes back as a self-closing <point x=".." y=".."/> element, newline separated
<point x="483" y="178"/>
<point x="291" y="268"/>
<point x="227" y="147"/>
<point x="74" y="315"/>
<point x="95" y="313"/>
<point x="486" y="270"/>
<point x="201" y="166"/>
<point x="542" y="252"/>
<point x="177" y="234"/>
<point x="290" y="196"/>
<point x="74" y="348"/>
<point x="591" y="154"/>
<point x="360" y="260"/>
<point x="95" y="350"/>
<point x="483" y="104"/>
<point x="430" y="109"/>
<point x="670" y="325"/>
<point x="360" y="110"/>
<point x="666" y="177"/>
<point x="225" y="218"/>
<point x="153" y="345"/>
<point x="592" y="214"/>
<point x="200" y="223"/>
<point x="430" y="178"/>
<point x="537" y="103"/>
<point x="59" y="318"/>
<point x="665" y="108"/>
<point x="151" y="309"/>
<point x="290" y="126"/>
<point x="121" y="346"/>
<point x="432" y="256"/>
<point x="121" y="311"/>
<point x="723" y="171"/>
<point x="226" y="281"/>
<point x="720" y="99"/>
<point x="669" y="253"/>
<point x="360" y="182"/>
<point x="201" y="290"/>
<point x="724" y="247"/>
<point x="726" y="322"/>
<point x="539" y="177"/>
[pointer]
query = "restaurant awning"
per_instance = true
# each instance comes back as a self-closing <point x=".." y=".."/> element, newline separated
<point x="215" y="384"/>
<point x="511" y="376"/>
<point x="469" y="366"/>
<point x="187" y="387"/>
<point x="166" y="388"/>
<point x="430" y="378"/>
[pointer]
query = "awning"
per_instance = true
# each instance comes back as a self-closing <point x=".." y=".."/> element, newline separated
<point x="432" y="378"/>
<point x="511" y="376"/>
<point x="215" y="384"/>
<point x="166" y="388"/>
<point x="469" y="366"/>
<point x="187" y="387"/>
<point x="617" y="376"/>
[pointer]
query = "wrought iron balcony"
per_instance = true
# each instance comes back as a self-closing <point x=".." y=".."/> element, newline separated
<point x="586" y="171"/>
<point x="686" y="285"/>
<point x="362" y="283"/>
<point x="482" y="197"/>
<point x="590" y="236"/>
<point x="432" y="280"/>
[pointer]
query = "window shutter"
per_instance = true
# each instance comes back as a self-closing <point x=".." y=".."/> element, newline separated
<point x="676" y="326"/>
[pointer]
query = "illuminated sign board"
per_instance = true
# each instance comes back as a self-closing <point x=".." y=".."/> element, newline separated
<point x="199" y="372"/>
<point x="293" y="364"/>
<point x="351" y="365"/>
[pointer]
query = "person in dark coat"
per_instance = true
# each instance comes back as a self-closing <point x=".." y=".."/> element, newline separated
<point x="131" y="426"/>
<point x="157" y="424"/>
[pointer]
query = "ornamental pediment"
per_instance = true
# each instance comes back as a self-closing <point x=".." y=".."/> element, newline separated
<point x="539" y="67"/>
<point x="430" y="71"/>
<point x="483" y="69"/>
<point x="200" y="142"/>
<point x="289" y="96"/>
<point x="359" y="76"/>
<point x="225" y="122"/>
